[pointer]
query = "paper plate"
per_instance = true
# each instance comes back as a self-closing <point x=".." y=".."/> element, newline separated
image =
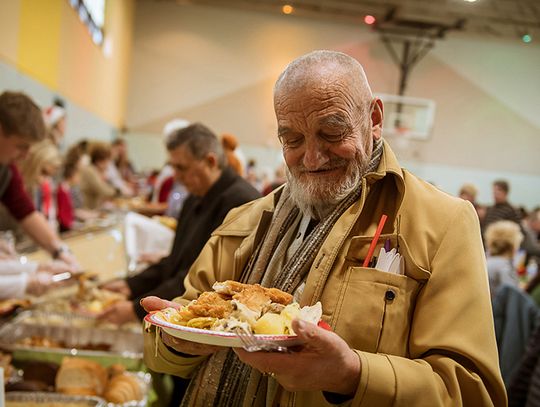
<point x="218" y="338"/>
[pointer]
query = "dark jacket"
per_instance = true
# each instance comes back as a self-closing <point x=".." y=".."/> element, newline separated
<point x="196" y="221"/>
<point x="515" y="315"/>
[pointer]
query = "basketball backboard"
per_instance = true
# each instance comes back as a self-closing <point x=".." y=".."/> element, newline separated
<point x="408" y="117"/>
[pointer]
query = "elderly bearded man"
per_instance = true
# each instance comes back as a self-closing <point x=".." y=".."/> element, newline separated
<point x="424" y="338"/>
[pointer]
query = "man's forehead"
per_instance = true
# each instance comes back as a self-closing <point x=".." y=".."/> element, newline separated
<point x="181" y="153"/>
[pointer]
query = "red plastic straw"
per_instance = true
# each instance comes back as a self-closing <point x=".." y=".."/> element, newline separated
<point x="374" y="241"/>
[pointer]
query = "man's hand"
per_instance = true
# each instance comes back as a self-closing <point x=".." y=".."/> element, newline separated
<point x="191" y="348"/>
<point x="39" y="283"/>
<point x="325" y="362"/>
<point x="119" y="313"/>
<point x="57" y="267"/>
<point x="152" y="257"/>
<point x="118" y="286"/>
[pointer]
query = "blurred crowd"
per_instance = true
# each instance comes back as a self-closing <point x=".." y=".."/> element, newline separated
<point x="512" y="247"/>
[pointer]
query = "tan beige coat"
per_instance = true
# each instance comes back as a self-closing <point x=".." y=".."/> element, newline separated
<point x="432" y="344"/>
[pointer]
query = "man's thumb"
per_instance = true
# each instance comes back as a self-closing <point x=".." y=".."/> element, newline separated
<point x="154" y="303"/>
<point x="309" y="333"/>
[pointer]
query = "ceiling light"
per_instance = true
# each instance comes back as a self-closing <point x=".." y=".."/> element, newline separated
<point x="526" y="38"/>
<point x="287" y="9"/>
<point x="470" y="1"/>
<point x="369" y="19"/>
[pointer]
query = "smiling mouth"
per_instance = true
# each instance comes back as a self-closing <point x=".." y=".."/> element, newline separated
<point x="321" y="171"/>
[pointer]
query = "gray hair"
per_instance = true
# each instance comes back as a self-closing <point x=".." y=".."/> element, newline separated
<point x="199" y="140"/>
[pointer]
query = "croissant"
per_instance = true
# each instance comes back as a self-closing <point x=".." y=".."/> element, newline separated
<point x="123" y="388"/>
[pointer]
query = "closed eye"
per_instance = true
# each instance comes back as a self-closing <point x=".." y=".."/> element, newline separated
<point x="289" y="140"/>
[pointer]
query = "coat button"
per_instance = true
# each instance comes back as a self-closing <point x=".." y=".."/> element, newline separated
<point x="390" y="295"/>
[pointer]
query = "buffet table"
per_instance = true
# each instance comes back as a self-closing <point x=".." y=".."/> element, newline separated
<point x="49" y="346"/>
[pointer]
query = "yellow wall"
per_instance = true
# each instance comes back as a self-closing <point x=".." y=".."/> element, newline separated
<point x="45" y="40"/>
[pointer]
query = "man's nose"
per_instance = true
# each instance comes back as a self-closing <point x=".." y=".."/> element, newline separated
<point x="315" y="155"/>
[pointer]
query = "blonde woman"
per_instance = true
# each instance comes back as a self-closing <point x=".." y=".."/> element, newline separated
<point x="38" y="169"/>
<point x="502" y="241"/>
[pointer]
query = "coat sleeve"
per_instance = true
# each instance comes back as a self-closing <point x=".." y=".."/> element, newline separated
<point x="215" y="263"/>
<point x="453" y="355"/>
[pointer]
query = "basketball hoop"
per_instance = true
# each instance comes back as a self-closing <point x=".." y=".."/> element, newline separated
<point x="407" y="118"/>
<point x="402" y="131"/>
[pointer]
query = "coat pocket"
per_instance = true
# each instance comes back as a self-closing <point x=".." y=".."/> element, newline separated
<point x="374" y="309"/>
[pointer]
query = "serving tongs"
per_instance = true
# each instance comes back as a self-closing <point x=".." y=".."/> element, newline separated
<point x="78" y="275"/>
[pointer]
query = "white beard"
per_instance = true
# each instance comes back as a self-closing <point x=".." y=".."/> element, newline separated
<point x="318" y="199"/>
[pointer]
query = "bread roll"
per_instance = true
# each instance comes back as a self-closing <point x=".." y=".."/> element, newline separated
<point x="123" y="388"/>
<point x="81" y="377"/>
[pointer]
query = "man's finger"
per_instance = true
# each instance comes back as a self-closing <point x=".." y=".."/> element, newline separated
<point x="154" y="303"/>
<point x="310" y="334"/>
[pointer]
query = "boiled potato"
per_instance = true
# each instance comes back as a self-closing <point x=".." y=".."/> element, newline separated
<point x="289" y="313"/>
<point x="270" y="324"/>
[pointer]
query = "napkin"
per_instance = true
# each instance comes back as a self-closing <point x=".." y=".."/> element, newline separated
<point x="144" y="235"/>
<point x="391" y="262"/>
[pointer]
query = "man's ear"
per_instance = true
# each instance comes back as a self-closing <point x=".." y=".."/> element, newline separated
<point x="212" y="160"/>
<point x="377" y="115"/>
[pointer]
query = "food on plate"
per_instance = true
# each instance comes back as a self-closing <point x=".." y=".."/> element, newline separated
<point x="251" y="307"/>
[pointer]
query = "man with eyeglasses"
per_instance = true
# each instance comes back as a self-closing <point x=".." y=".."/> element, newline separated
<point x="199" y="163"/>
<point x="417" y="335"/>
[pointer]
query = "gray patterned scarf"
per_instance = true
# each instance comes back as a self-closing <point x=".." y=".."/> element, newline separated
<point x="224" y="380"/>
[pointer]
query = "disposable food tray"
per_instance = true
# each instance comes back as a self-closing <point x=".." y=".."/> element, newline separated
<point x="143" y="378"/>
<point x="125" y="346"/>
<point x="52" y="400"/>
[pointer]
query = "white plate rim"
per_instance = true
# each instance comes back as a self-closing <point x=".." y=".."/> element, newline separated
<point x="219" y="338"/>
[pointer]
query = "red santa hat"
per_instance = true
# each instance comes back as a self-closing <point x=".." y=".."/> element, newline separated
<point x="173" y="125"/>
<point x="53" y="114"/>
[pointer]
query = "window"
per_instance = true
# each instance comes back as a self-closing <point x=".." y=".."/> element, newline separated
<point x="92" y="14"/>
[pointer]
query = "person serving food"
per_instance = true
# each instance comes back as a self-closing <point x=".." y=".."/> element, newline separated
<point x="415" y="329"/>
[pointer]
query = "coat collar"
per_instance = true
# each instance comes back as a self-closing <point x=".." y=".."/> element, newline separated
<point x="227" y="177"/>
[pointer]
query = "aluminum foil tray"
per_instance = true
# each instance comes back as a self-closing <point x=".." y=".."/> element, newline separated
<point x="125" y="347"/>
<point x="44" y="316"/>
<point x="61" y="400"/>
<point x="38" y="399"/>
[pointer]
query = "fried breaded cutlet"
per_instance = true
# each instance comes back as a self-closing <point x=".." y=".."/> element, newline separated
<point x="254" y="297"/>
<point x="232" y="288"/>
<point x="281" y="297"/>
<point x="228" y="287"/>
<point x="211" y="304"/>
